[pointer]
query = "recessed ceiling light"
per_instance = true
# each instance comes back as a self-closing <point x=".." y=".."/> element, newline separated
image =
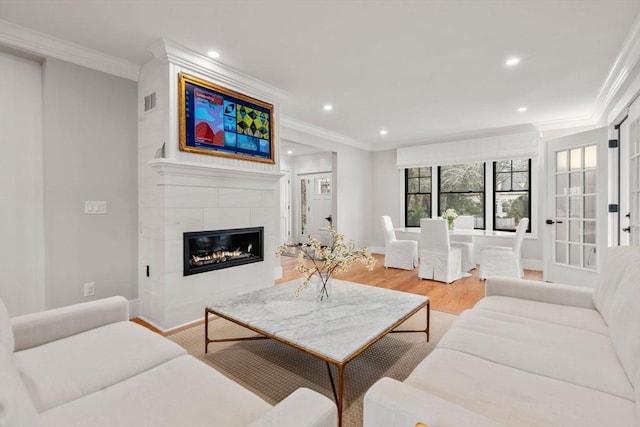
<point x="289" y="152"/>
<point x="512" y="61"/>
<point x="522" y="109"/>
<point x="213" y="54"/>
<point x="328" y="107"/>
<point x="383" y="132"/>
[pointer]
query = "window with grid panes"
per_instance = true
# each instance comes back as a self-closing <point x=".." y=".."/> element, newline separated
<point x="418" y="195"/>
<point x="511" y="193"/>
<point x="462" y="189"/>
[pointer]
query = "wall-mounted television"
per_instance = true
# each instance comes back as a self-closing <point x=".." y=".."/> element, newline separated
<point x="221" y="122"/>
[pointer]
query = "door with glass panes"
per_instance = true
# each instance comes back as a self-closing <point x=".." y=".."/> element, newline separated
<point x="576" y="207"/>
<point x="631" y="220"/>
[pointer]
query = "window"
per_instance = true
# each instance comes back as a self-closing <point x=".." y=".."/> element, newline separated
<point x="418" y="195"/>
<point x="462" y="189"/>
<point x="512" y="199"/>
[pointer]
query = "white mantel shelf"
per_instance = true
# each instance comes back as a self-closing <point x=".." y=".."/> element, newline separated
<point x="171" y="168"/>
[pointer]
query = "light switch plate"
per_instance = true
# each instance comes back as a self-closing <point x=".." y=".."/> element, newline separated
<point x="89" y="289"/>
<point x="95" y="207"/>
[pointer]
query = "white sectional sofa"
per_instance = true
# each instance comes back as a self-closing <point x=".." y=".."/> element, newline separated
<point x="530" y="354"/>
<point x="88" y="365"/>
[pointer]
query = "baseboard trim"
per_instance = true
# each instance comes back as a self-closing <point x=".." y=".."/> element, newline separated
<point x="376" y="250"/>
<point x="532" y="264"/>
<point x="134" y="308"/>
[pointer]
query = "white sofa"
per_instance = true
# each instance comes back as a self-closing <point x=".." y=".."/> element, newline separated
<point x="88" y="365"/>
<point x="530" y="354"/>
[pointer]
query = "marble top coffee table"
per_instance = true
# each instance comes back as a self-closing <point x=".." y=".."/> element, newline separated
<point x="336" y="331"/>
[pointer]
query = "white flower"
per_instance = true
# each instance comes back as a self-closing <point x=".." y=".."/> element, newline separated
<point x="450" y="214"/>
<point x="314" y="258"/>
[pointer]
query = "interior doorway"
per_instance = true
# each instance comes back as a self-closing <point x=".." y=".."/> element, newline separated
<point x="311" y="194"/>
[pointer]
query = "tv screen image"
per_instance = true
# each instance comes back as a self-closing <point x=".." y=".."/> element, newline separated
<point x="218" y="121"/>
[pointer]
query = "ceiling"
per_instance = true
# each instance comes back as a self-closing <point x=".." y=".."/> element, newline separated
<point x="422" y="70"/>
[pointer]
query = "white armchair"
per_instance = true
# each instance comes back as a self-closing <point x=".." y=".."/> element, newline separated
<point x="503" y="260"/>
<point x="398" y="253"/>
<point x="464" y="242"/>
<point x="438" y="260"/>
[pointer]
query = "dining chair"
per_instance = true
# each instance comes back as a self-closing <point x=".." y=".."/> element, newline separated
<point x="438" y="260"/>
<point x="398" y="253"/>
<point x="504" y="260"/>
<point x="464" y="241"/>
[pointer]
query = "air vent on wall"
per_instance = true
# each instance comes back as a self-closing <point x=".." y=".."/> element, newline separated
<point x="150" y="102"/>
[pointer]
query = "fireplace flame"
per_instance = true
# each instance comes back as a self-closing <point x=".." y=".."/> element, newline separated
<point x="249" y="247"/>
<point x="216" y="255"/>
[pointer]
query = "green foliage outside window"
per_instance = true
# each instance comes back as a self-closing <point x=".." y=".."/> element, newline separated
<point x="462" y="189"/>
<point x="511" y="181"/>
<point x="418" y="195"/>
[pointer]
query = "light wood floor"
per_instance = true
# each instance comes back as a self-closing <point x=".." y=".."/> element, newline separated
<point x="453" y="297"/>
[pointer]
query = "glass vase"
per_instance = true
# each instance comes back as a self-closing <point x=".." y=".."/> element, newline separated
<point x="323" y="287"/>
<point x="450" y="224"/>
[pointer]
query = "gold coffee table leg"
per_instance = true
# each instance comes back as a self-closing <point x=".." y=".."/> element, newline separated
<point x="338" y="394"/>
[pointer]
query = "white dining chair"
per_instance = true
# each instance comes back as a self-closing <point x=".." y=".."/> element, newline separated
<point x="398" y="253"/>
<point x="464" y="241"/>
<point x="504" y="260"/>
<point x="438" y="260"/>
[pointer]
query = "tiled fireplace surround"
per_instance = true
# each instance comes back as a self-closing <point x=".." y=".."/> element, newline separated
<point x="181" y="192"/>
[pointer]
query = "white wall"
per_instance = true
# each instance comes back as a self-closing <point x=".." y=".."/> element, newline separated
<point x="21" y="200"/>
<point x="90" y="153"/>
<point x="312" y="163"/>
<point x="387" y="196"/>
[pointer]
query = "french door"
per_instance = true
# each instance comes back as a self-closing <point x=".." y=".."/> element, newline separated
<point x="576" y="207"/>
<point x="633" y="227"/>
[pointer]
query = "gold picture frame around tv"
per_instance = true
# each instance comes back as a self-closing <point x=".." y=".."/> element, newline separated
<point x="221" y="122"/>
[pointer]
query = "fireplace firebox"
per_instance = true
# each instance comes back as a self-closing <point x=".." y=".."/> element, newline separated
<point x="217" y="249"/>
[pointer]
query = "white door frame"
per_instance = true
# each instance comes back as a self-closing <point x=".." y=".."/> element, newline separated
<point x="285" y="207"/>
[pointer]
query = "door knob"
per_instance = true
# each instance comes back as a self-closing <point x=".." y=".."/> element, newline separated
<point x="550" y="221"/>
<point x="627" y="229"/>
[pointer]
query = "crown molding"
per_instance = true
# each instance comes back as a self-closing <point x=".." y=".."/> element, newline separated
<point x="300" y="126"/>
<point x="621" y="108"/>
<point x="174" y="53"/>
<point x="40" y="44"/>
<point x="625" y="61"/>
<point x="566" y="123"/>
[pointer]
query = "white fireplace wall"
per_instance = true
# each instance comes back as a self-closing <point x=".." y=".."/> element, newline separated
<point x="183" y="192"/>
<point x="212" y="207"/>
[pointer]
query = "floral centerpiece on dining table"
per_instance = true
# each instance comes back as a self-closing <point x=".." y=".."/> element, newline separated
<point x="450" y="215"/>
<point x="321" y="262"/>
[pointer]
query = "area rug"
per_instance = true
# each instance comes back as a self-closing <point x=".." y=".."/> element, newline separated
<point x="274" y="370"/>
